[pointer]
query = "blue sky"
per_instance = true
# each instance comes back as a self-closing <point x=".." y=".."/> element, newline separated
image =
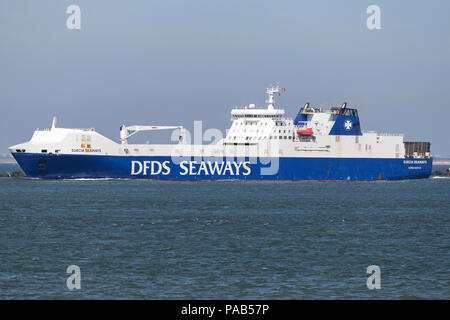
<point x="173" y="62"/>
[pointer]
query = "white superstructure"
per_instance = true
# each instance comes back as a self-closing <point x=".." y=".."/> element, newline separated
<point x="251" y="126"/>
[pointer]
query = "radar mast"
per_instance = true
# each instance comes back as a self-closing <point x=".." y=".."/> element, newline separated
<point x="271" y="92"/>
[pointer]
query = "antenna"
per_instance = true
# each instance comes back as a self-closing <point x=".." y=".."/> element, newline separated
<point x="54" y="123"/>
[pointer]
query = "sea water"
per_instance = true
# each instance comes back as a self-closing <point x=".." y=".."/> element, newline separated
<point x="224" y="240"/>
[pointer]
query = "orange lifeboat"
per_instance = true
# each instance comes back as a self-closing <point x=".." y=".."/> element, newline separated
<point x="305" y="132"/>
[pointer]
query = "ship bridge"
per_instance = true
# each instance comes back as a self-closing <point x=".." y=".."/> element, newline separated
<point x="251" y="113"/>
<point x="252" y="125"/>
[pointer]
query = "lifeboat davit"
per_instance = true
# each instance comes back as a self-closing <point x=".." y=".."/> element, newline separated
<point x="305" y="132"/>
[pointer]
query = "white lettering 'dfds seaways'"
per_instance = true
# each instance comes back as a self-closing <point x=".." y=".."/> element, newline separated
<point x="191" y="168"/>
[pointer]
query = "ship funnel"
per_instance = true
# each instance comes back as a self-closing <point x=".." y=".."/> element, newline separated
<point x="305" y="107"/>
<point x="344" y="105"/>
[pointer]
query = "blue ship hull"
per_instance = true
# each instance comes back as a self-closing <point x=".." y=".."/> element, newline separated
<point x="51" y="166"/>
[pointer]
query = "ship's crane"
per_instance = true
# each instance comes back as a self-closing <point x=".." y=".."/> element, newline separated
<point x="127" y="132"/>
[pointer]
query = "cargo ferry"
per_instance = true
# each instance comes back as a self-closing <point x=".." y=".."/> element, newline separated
<point x="261" y="144"/>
